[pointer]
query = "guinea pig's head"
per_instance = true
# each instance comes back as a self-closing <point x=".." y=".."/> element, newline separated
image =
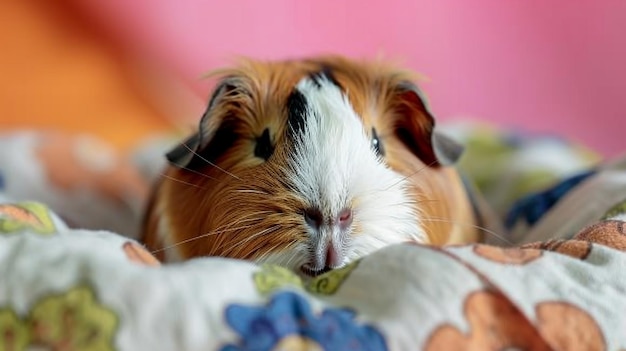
<point x="289" y="165"/>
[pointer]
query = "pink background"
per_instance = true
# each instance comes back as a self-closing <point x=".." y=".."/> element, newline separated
<point x="547" y="66"/>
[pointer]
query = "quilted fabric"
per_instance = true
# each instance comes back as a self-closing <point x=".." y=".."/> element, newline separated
<point x="86" y="290"/>
<point x="560" y="287"/>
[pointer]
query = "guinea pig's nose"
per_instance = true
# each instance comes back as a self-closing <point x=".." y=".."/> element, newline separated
<point x="333" y="258"/>
<point x="314" y="218"/>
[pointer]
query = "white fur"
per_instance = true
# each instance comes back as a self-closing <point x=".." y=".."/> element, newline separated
<point x="334" y="167"/>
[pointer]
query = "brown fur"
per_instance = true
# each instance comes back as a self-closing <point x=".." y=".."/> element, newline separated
<point x="207" y="204"/>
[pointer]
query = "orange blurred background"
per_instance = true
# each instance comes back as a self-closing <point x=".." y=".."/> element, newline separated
<point x="60" y="71"/>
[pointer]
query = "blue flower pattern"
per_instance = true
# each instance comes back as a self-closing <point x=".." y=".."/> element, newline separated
<point x="289" y="314"/>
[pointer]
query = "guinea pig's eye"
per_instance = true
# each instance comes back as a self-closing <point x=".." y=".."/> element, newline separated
<point x="376" y="144"/>
<point x="264" y="148"/>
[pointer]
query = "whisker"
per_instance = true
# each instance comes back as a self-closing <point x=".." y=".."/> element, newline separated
<point x="253" y="236"/>
<point x="250" y="217"/>
<point x="221" y="241"/>
<point x="268" y="252"/>
<point x="230" y="227"/>
<point x="485" y="230"/>
<point x="215" y="232"/>
<point x="411" y="175"/>
<point x="292" y="257"/>
<point x="178" y="165"/>
<point x="209" y="162"/>
<point x="256" y="235"/>
<point x="181" y="181"/>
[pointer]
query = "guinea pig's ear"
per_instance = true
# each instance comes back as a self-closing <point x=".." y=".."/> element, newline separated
<point x="415" y="127"/>
<point x="214" y="134"/>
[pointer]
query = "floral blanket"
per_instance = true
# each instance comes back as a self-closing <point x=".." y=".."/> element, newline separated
<point x="554" y="282"/>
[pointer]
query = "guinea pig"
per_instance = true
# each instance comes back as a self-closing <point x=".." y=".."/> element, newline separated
<point x="310" y="164"/>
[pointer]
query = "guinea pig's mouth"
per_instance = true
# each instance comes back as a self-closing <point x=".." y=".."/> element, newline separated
<point x="310" y="271"/>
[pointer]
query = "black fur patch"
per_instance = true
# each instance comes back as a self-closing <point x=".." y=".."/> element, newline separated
<point x="179" y="155"/>
<point x="296" y="107"/>
<point x="223" y="140"/>
<point x="191" y="152"/>
<point x="325" y="73"/>
<point x="264" y="148"/>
